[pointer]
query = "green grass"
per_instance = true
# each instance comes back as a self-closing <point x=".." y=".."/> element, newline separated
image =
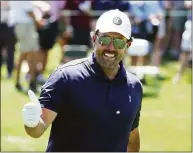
<point x="165" y="119"/>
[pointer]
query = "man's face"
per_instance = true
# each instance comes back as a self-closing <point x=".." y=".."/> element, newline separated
<point x="110" y="54"/>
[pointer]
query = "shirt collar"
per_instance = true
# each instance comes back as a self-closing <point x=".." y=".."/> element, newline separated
<point x="121" y="75"/>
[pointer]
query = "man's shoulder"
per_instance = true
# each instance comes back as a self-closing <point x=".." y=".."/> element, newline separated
<point x="133" y="79"/>
<point x="75" y="67"/>
<point x="73" y="64"/>
<point x="67" y="71"/>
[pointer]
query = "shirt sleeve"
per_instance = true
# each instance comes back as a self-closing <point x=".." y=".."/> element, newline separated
<point x="137" y="117"/>
<point x="53" y="91"/>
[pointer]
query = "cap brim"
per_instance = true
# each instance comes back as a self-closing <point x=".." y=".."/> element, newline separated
<point x="104" y="30"/>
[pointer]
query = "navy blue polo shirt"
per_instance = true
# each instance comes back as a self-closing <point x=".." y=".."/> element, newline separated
<point x="94" y="113"/>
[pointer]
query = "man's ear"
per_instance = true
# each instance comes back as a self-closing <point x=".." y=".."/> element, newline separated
<point x="93" y="36"/>
<point x="129" y="43"/>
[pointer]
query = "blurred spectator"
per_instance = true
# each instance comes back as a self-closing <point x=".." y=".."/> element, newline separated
<point x="168" y="27"/>
<point x="159" y="8"/>
<point x="153" y="15"/>
<point x="25" y="30"/>
<point x="107" y="5"/>
<point x="49" y="12"/>
<point x="145" y="17"/>
<point x="178" y="18"/>
<point x="186" y="46"/>
<point x="79" y="24"/>
<point x="64" y="35"/>
<point x="138" y="20"/>
<point x="7" y="37"/>
<point x="137" y="16"/>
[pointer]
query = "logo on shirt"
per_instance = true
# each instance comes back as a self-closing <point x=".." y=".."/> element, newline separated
<point x="117" y="20"/>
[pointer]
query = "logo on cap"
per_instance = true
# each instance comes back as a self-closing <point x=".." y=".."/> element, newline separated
<point x="117" y="20"/>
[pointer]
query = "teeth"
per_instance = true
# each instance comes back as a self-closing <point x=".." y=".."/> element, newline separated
<point x="109" y="55"/>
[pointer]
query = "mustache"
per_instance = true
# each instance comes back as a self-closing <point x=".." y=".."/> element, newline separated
<point x="110" y="51"/>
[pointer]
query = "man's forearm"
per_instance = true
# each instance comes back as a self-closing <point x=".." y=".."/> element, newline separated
<point x="37" y="131"/>
<point x="133" y="147"/>
<point x="134" y="141"/>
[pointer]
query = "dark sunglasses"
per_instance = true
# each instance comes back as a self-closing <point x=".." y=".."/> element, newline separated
<point x="117" y="42"/>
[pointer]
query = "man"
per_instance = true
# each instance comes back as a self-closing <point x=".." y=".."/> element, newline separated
<point x="93" y="104"/>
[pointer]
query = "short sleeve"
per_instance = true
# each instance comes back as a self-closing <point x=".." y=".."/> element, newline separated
<point x="53" y="91"/>
<point x="137" y="117"/>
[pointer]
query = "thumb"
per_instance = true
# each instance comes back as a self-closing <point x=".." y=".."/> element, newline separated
<point x="32" y="96"/>
<point x="34" y="99"/>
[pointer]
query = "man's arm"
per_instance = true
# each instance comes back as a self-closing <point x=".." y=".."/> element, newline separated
<point x="134" y="137"/>
<point x="47" y="118"/>
<point x="134" y="141"/>
<point x="40" y="113"/>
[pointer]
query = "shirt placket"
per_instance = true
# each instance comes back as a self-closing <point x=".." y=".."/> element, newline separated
<point x="110" y="93"/>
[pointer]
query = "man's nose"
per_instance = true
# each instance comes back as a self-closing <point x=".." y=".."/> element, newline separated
<point x="110" y="46"/>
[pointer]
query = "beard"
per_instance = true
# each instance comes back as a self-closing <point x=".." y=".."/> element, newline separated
<point x="108" y="59"/>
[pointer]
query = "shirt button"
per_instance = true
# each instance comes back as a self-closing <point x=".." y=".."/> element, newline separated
<point x="118" y="112"/>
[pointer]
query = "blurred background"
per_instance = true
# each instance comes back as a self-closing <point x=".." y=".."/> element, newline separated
<point x="38" y="36"/>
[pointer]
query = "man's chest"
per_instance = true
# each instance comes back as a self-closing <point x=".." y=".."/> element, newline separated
<point x="102" y="101"/>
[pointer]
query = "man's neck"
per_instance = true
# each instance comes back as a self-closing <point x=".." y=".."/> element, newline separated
<point x="111" y="73"/>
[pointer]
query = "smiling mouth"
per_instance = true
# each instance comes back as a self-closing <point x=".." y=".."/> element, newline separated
<point x="109" y="55"/>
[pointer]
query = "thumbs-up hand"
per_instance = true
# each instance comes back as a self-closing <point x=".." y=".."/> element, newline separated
<point x="32" y="111"/>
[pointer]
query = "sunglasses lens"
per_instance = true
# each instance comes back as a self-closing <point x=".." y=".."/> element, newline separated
<point x="104" y="40"/>
<point x="119" y="44"/>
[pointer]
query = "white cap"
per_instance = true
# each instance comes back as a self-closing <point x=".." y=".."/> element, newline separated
<point x="114" y="21"/>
